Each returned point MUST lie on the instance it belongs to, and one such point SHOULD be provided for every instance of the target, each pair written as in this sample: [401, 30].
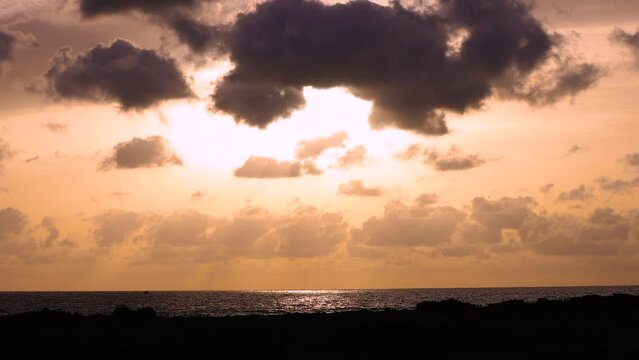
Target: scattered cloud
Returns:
[198, 195]
[357, 188]
[580, 193]
[412, 152]
[119, 72]
[426, 199]
[152, 151]
[546, 189]
[268, 168]
[632, 160]
[574, 149]
[629, 40]
[453, 160]
[356, 156]
[114, 226]
[311, 149]
[12, 223]
[618, 186]
[55, 127]
[31, 159]
[5, 152]
[309, 43]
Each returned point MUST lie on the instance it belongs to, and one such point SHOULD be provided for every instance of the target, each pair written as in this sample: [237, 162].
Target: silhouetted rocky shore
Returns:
[590, 327]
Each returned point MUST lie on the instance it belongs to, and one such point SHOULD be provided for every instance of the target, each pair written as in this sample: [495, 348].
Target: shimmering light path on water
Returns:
[226, 303]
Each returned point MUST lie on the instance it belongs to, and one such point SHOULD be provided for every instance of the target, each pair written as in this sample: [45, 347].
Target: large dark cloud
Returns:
[152, 151]
[90, 8]
[413, 65]
[629, 40]
[7, 46]
[119, 72]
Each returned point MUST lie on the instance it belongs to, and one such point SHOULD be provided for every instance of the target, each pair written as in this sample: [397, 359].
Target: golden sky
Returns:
[201, 144]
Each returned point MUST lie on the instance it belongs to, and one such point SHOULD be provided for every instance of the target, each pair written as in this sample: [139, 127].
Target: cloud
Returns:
[426, 199]
[580, 193]
[412, 152]
[252, 232]
[53, 233]
[353, 157]
[629, 40]
[453, 160]
[574, 149]
[618, 186]
[119, 72]
[114, 226]
[178, 15]
[403, 225]
[198, 195]
[413, 65]
[311, 149]
[546, 189]
[152, 151]
[603, 233]
[32, 159]
[357, 188]
[54, 127]
[632, 160]
[5, 152]
[7, 46]
[12, 222]
[268, 168]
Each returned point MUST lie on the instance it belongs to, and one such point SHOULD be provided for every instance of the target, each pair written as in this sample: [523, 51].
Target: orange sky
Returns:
[179, 195]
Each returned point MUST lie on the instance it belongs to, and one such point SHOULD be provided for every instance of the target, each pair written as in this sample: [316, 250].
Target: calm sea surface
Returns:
[225, 303]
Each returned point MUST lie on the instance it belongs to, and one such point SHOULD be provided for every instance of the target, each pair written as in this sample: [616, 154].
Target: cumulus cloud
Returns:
[268, 168]
[357, 188]
[152, 151]
[12, 222]
[253, 232]
[618, 185]
[55, 127]
[356, 156]
[453, 160]
[114, 226]
[311, 149]
[580, 193]
[7, 46]
[426, 199]
[53, 233]
[628, 40]
[119, 72]
[403, 225]
[414, 65]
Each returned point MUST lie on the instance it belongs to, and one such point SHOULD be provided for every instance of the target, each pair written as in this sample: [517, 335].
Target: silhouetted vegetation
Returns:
[589, 327]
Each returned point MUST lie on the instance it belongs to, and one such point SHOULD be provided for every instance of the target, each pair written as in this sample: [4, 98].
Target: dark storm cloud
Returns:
[453, 160]
[7, 46]
[629, 40]
[200, 37]
[90, 8]
[152, 151]
[311, 149]
[268, 168]
[580, 193]
[135, 78]
[357, 188]
[618, 185]
[405, 61]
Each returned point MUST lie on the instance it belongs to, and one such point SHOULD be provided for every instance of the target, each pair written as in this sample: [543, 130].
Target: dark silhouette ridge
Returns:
[589, 327]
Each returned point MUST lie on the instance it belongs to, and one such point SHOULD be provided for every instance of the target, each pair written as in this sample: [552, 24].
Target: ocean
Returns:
[233, 303]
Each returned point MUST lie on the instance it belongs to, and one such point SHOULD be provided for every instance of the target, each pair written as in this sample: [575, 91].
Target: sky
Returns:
[299, 144]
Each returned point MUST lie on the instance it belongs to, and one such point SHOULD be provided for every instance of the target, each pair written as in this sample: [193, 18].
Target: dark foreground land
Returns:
[590, 327]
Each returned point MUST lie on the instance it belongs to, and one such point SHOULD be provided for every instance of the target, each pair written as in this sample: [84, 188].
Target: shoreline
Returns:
[587, 327]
